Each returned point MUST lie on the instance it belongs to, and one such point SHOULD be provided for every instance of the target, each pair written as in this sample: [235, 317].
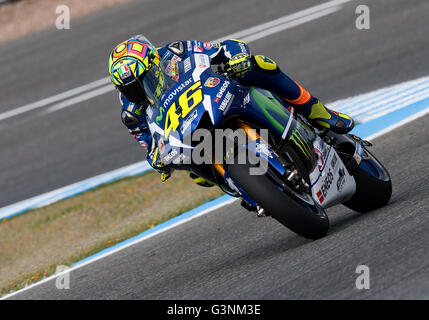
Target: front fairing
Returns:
[199, 93]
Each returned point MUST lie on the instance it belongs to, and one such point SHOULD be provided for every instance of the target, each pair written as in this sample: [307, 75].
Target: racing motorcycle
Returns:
[306, 169]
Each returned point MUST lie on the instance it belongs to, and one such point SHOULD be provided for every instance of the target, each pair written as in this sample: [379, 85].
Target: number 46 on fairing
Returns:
[187, 101]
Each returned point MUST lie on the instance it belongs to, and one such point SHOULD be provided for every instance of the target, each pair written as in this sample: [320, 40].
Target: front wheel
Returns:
[297, 212]
[373, 185]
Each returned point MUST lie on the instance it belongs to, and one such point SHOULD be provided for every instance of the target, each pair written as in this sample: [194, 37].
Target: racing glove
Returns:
[159, 166]
[238, 65]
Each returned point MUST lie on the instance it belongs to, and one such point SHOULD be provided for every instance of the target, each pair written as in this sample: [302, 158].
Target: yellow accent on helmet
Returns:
[137, 47]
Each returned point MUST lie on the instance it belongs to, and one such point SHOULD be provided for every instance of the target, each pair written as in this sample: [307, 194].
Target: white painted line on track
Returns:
[372, 105]
[81, 98]
[399, 124]
[128, 244]
[272, 26]
[291, 24]
[247, 35]
[73, 189]
[53, 99]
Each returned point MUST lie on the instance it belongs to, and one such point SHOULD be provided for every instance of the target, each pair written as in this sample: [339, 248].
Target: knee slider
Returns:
[265, 64]
[200, 181]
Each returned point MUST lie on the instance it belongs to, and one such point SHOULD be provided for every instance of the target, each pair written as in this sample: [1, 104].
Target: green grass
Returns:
[34, 243]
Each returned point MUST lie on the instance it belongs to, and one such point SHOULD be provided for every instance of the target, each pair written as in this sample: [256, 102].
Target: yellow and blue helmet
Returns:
[136, 70]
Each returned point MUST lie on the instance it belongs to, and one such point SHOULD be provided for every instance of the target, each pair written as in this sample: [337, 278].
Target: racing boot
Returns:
[322, 117]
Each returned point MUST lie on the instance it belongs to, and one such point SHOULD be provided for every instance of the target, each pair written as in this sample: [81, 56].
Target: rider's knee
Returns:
[265, 64]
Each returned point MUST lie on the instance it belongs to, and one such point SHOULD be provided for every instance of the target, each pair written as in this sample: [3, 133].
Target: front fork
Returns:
[257, 148]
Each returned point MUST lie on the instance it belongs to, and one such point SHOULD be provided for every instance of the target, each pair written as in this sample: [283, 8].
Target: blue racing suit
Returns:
[262, 72]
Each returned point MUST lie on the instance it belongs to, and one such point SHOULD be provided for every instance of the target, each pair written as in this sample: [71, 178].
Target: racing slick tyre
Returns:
[298, 213]
[373, 186]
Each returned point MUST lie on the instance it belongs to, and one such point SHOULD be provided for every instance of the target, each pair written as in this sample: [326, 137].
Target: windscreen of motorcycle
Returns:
[157, 83]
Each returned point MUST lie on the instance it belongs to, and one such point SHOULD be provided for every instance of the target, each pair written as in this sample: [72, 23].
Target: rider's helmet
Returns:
[137, 72]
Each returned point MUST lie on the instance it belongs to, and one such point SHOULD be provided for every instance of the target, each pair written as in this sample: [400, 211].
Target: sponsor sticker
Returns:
[124, 72]
[170, 156]
[187, 65]
[320, 159]
[173, 94]
[327, 183]
[180, 159]
[212, 82]
[208, 45]
[226, 101]
[321, 149]
[246, 100]
[320, 196]
[358, 154]
[202, 58]
[171, 68]
[222, 90]
[334, 161]
[197, 48]
[149, 112]
[143, 144]
[188, 121]
[232, 185]
[174, 73]
[204, 61]
[242, 47]
[161, 145]
[262, 148]
[341, 179]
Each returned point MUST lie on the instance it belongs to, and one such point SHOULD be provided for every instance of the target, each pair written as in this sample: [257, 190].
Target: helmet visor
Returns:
[133, 91]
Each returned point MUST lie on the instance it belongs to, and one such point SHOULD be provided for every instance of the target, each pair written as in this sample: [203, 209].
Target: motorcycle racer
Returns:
[143, 74]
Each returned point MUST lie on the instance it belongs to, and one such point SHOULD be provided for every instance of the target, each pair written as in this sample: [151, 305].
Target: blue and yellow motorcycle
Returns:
[270, 157]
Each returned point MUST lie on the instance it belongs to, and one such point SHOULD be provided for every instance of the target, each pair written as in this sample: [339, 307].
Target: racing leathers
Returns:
[259, 71]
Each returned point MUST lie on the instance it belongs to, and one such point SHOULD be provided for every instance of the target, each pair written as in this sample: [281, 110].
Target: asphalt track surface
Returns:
[228, 253]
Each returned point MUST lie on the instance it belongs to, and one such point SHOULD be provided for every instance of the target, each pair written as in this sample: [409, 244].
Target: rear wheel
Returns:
[295, 210]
